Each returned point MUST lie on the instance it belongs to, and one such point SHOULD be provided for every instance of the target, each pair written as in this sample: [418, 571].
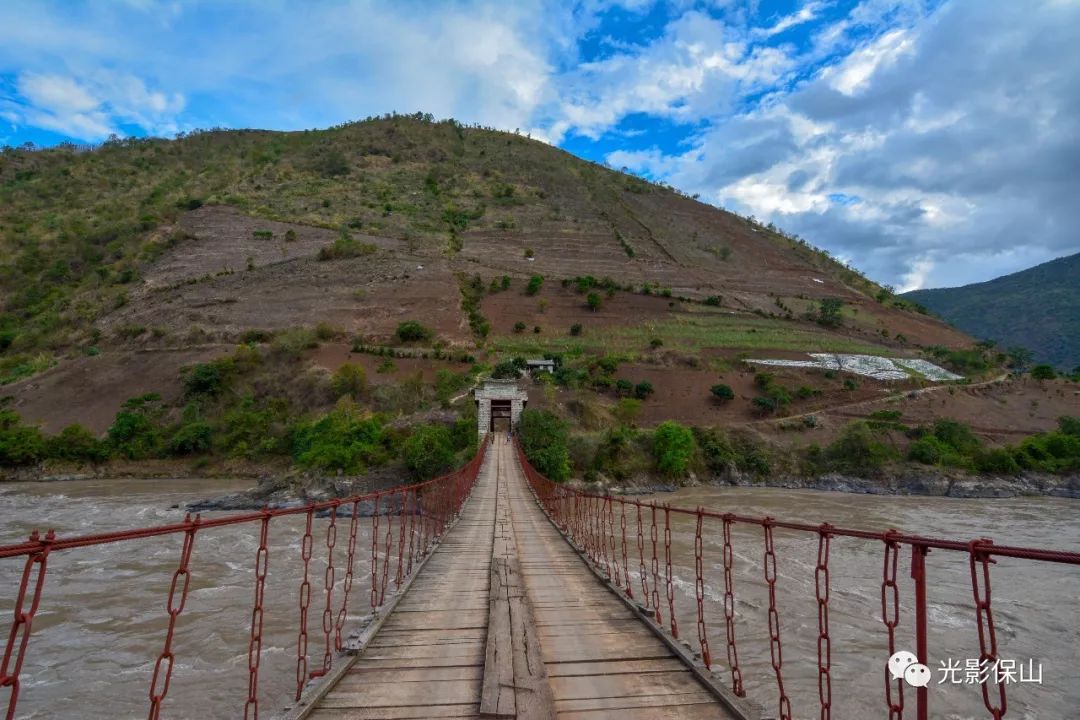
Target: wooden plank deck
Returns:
[506, 618]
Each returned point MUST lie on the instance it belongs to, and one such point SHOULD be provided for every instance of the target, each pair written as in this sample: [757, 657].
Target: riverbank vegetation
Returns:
[864, 448]
[264, 404]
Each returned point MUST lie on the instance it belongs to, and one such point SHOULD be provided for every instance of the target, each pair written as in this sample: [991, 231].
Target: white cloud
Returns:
[856, 70]
[803, 15]
[90, 108]
[957, 135]
[699, 67]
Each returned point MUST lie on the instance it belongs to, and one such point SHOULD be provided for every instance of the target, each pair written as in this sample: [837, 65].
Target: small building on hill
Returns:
[536, 366]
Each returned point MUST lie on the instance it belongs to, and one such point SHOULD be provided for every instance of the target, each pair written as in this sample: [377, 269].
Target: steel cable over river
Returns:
[263, 609]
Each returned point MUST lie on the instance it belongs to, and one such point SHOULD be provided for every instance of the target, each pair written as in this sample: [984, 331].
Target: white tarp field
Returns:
[874, 366]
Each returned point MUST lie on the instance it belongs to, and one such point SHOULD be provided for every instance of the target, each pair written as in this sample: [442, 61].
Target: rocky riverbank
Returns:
[904, 481]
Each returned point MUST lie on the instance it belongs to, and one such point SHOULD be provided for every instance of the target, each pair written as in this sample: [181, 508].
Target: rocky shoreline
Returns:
[928, 482]
[287, 488]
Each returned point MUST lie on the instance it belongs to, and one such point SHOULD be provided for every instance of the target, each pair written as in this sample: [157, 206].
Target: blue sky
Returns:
[928, 142]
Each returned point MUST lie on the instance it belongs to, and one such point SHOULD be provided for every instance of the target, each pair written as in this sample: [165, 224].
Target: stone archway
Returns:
[498, 402]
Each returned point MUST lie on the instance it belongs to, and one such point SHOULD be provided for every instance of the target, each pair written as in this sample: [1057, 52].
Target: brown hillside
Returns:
[423, 207]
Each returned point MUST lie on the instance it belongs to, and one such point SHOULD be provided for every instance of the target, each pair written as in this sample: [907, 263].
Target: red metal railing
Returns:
[421, 511]
[588, 520]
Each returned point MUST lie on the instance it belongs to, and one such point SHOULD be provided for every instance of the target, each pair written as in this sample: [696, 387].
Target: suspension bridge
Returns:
[496, 593]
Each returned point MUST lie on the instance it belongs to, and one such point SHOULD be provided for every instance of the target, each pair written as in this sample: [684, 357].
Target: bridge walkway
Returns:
[577, 651]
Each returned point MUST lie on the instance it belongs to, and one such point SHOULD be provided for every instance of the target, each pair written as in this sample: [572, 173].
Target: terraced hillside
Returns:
[141, 258]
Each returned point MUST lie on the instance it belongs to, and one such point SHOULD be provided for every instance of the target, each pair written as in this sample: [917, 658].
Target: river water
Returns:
[102, 620]
[1036, 605]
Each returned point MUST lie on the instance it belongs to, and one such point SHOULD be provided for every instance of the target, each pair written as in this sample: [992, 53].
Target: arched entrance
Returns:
[498, 406]
[501, 415]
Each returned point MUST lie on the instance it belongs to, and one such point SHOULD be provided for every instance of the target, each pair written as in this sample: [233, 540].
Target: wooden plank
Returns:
[392, 694]
[535, 700]
[497, 699]
[639, 701]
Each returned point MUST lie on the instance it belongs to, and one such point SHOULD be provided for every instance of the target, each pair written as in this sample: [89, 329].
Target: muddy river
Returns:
[102, 620]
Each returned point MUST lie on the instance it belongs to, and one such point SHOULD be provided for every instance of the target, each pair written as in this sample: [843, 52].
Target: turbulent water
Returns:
[103, 617]
[1035, 604]
[102, 620]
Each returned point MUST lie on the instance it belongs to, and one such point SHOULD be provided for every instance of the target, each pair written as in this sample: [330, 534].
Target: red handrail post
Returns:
[918, 575]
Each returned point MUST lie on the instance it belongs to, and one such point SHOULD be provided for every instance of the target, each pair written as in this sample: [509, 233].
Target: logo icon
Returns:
[917, 675]
[904, 665]
[899, 663]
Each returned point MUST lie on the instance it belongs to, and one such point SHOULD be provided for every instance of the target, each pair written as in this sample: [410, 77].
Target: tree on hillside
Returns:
[593, 301]
[1043, 372]
[722, 392]
[543, 438]
[410, 331]
[673, 447]
[829, 312]
[429, 452]
[1019, 358]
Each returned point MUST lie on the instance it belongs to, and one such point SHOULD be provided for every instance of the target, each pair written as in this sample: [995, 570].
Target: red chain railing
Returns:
[581, 516]
[433, 504]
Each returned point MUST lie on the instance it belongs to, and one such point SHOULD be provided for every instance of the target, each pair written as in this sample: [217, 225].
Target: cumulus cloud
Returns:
[699, 67]
[90, 108]
[930, 142]
[937, 154]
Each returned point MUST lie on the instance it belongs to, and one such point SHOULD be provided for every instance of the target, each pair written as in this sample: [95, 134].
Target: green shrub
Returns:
[346, 247]
[294, 341]
[713, 300]
[623, 386]
[721, 391]
[506, 370]
[996, 460]
[412, 331]
[134, 435]
[447, 383]
[207, 379]
[191, 439]
[673, 447]
[253, 337]
[254, 429]
[519, 327]
[830, 312]
[764, 405]
[575, 329]
[626, 410]
[928, 451]
[341, 440]
[19, 444]
[535, 283]
[428, 452]
[859, 450]
[76, 443]
[350, 379]
[956, 435]
[593, 301]
[1043, 372]
[543, 438]
[643, 390]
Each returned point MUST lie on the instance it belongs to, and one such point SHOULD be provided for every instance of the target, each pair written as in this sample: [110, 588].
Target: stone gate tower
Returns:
[497, 400]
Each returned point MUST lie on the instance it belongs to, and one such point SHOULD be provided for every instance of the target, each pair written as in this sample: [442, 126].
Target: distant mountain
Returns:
[1038, 308]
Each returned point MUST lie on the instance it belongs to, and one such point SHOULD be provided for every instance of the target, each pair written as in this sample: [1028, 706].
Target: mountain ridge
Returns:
[1037, 308]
